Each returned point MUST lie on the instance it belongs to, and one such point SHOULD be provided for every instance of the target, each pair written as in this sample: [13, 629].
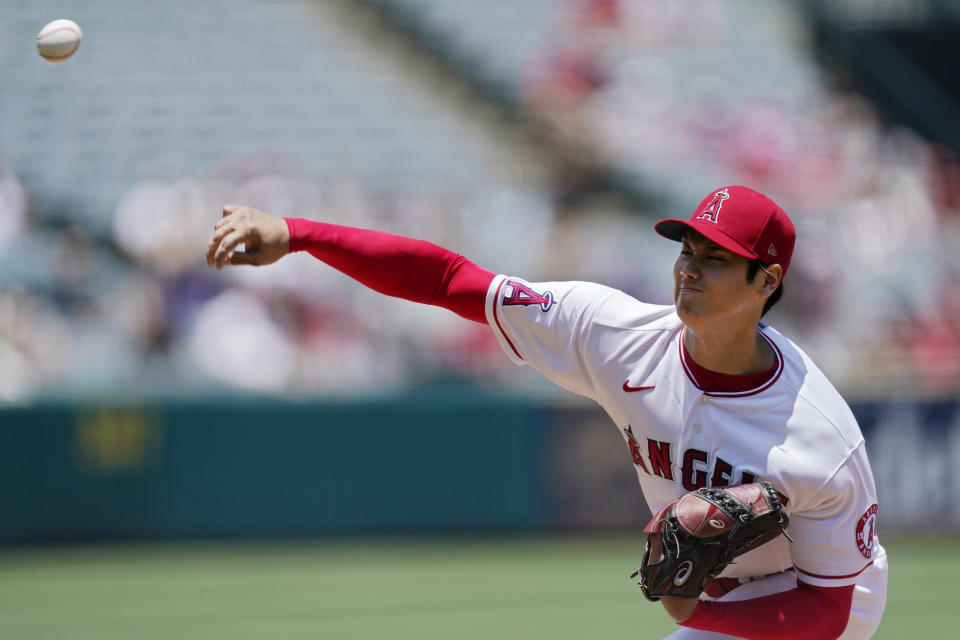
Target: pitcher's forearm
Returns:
[396, 265]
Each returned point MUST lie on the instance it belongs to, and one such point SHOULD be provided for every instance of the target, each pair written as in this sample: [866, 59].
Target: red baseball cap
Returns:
[740, 220]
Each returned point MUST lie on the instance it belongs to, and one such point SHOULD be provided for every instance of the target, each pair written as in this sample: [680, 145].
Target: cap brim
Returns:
[674, 229]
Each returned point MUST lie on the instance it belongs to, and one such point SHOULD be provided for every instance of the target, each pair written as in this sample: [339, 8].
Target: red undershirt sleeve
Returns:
[397, 266]
[804, 613]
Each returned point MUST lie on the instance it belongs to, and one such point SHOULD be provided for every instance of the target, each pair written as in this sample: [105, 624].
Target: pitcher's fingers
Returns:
[227, 245]
[232, 214]
[226, 219]
[215, 239]
[212, 249]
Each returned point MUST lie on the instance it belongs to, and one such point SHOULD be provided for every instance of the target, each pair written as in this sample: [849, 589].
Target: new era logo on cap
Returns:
[752, 225]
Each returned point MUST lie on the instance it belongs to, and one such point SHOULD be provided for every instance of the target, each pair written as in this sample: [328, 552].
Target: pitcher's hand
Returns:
[680, 609]
[266, 238]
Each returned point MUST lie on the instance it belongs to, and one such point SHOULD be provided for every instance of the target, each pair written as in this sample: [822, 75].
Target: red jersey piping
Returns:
[822, 577]
[496, 318]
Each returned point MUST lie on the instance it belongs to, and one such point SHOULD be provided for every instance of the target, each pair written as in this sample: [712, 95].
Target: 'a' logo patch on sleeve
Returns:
[516, 293]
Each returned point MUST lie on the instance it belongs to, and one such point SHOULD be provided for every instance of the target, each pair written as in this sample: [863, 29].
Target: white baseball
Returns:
[58, 40]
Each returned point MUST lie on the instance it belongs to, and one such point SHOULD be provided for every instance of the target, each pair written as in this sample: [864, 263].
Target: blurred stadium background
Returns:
[190, 453]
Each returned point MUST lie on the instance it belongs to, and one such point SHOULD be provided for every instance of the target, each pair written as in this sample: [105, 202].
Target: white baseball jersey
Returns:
[793, 429]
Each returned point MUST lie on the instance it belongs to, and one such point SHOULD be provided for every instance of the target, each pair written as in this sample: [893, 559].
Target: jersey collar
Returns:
[712, 383]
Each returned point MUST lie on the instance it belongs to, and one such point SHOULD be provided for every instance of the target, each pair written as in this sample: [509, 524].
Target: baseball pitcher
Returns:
[754, 465]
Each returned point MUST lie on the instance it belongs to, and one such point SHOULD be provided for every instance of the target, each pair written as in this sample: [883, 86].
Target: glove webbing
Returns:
[729, 504]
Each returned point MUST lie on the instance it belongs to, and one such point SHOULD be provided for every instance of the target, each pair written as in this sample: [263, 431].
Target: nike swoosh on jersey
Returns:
[629, 389]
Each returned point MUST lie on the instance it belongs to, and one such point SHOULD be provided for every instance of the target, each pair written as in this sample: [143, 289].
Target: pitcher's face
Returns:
[710, 283]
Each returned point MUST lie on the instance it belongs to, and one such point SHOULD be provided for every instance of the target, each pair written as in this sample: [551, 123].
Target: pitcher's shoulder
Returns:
[817, 400]
[624, 311]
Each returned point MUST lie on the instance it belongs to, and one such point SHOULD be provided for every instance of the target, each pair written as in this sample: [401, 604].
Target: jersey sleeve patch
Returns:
[867, 532]
[518, 294]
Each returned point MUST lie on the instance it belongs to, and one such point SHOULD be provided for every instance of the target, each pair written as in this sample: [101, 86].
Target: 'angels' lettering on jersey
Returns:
[696, 471]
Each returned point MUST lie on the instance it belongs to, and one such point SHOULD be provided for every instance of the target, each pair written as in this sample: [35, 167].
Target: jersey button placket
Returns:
[695, 419]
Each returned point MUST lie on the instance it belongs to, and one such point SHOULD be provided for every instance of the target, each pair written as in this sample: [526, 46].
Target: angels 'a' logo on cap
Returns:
[711, 212]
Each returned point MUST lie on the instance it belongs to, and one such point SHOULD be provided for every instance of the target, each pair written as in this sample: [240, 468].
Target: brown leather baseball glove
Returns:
[694, 538]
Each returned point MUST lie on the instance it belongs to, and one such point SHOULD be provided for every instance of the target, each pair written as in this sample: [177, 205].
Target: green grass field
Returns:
[526, 589]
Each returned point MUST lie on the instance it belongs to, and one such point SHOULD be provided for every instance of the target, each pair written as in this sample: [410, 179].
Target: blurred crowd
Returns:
[141, 314]
[874, 293]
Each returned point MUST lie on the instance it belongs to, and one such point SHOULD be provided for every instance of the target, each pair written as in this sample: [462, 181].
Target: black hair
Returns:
[753, 267]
